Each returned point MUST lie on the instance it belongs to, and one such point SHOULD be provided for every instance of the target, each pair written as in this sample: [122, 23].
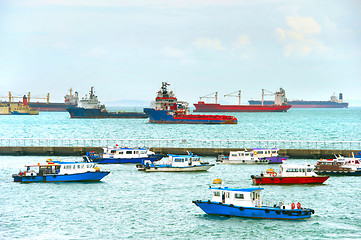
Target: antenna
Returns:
[232, 95]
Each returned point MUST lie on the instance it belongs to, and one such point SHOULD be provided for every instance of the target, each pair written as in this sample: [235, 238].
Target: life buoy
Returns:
[255, 153]
[274, 174]
[299, 205]
[293, 206]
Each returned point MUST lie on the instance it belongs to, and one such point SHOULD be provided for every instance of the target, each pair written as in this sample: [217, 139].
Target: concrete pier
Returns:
[79, 151]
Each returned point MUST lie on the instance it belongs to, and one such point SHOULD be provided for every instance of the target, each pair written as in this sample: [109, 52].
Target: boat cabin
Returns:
[339, 163]
[265, 152]
[292, 170]
[242, 155]
[116, 152]
[58, 167]
[183, 160]
[248, 197]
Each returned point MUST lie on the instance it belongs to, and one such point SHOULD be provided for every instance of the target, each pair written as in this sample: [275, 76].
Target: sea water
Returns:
[137, 205]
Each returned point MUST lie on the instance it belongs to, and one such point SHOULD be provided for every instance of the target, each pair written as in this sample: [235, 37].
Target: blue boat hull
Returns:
[152, 158]
[76, 112]
[275, 160]
[215, 208]
[78, 177]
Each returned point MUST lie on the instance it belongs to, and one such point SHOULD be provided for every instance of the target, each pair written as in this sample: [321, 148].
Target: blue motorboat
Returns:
[123, 155]
[59, 171]
[246, 202]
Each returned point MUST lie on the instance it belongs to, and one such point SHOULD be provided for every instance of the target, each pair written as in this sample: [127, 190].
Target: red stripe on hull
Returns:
[290, 180]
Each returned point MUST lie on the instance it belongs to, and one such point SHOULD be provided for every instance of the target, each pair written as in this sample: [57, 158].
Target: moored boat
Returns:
[89, 107]
[246, 202]
[175, 163]
[123, 155]
[340, 166]
[290, 174]
[59, 171]
[241, 157]
[167, 109]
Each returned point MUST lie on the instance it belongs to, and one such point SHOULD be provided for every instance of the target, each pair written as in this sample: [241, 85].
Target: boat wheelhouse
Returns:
[270, 154]
[59, 171]
[123, 155]
[241, 157]
[247, 202]
[176, 163]
[290, 174]
[340, 166]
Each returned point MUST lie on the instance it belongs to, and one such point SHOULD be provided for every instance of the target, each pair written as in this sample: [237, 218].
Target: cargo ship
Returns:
[70, 100]
[20, 108]
[167, 109]
[335, 102]
[89, 107]
[279, 105]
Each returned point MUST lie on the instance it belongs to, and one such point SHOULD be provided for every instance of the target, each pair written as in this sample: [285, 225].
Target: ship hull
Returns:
[305, 104]
[164, 116]
[78, 177]
[48, 107]
[201, 168]
[76, 112]
[257, 180]
[151, 158]
[216, 208]
[211, 107]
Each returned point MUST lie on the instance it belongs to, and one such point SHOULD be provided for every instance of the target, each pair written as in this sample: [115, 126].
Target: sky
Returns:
[125, 49]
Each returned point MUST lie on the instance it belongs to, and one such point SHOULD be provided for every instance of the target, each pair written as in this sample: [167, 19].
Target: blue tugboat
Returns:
[123, 155]
[58, 171]
[246, 202]
[89, 107]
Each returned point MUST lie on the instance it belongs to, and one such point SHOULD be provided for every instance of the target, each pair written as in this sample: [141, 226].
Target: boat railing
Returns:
[179, 143]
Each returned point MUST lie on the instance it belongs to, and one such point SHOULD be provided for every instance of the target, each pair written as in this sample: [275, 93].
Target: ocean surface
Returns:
[137, 205]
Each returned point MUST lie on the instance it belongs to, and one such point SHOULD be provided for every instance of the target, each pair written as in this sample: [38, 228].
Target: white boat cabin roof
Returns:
[249, 197]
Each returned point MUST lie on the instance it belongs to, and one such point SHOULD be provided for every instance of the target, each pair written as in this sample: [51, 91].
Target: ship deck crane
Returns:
[232, 95]
[209, 96]
[11, 97]
[269, 93]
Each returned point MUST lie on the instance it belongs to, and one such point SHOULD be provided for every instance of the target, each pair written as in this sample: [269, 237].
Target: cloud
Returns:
[172, 52]
[243, 40]
[299, 38]
[98, 52]
[208, 43]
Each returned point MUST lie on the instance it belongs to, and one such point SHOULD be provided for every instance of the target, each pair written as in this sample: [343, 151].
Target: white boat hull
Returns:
[236, 162]
[178, 169]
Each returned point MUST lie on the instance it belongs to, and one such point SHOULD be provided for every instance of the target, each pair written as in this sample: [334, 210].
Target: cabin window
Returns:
[143, 152]
[136, 152]
[88, 165]
[82, 166]
[227, 195]
[121, 152]
[216, 193]
[78, 166]
[242, 154]
[238, 196]
[309, 169]
[67, 167]
[246, 154]
[273, 151]
[303, 170]
[129, 152]
[260, 152]
[234, 155]
[177, 160]
[112, 151]
[74, 166]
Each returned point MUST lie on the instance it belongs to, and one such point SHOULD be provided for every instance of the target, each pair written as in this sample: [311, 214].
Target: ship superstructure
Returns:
[167, 109]
[14, 108]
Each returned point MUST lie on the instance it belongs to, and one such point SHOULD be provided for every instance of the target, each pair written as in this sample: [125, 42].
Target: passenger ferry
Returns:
[340, 166]
[246, 202]
[290, 174]
[241, 157]
[176, 163]
[123, 155]
[59, 171]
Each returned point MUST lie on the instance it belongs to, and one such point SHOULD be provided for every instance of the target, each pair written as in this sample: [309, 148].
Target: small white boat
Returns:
[241, 157]
[175, 163]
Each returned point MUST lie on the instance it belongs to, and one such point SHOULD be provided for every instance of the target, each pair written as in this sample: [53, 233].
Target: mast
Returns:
[238, 95]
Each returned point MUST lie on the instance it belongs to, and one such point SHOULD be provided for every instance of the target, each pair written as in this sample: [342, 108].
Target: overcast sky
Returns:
[125, 49]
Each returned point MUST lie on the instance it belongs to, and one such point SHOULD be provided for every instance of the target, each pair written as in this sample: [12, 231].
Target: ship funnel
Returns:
[340, 97]
[25, 101]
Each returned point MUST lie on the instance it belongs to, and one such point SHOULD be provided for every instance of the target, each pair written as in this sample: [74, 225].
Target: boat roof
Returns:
[238, 189]
[125, 148]
[297, 166]
[183, 156]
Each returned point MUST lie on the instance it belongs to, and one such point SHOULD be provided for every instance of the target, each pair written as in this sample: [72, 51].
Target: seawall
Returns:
[78, 151]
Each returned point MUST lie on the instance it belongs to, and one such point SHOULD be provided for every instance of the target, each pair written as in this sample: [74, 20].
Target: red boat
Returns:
[290, 174]
[279, 106]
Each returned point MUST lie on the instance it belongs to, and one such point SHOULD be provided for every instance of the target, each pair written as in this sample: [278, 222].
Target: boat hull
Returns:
[78, 177]
[212, 107]
[244, 162]
[215, 208]
[258, 180]
[127, 160]
[165, 116]
[201, 168]
[305, 104]
[339, 173]
[76, 112]
[276, 160]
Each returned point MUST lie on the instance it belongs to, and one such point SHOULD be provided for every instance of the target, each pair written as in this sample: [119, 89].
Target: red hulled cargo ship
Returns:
[280, 105]
[167, 109]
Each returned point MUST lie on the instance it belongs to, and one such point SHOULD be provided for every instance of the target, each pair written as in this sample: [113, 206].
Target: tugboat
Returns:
[176, 163]
[247, 203]
[89, 107]
[290, 174]
[123, 155]
[168, 109]
[58, 171]
[340, 166]
[254, 156]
